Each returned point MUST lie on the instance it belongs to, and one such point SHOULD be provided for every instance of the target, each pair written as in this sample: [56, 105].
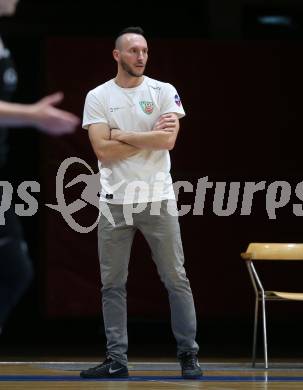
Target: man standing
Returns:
[133, 122]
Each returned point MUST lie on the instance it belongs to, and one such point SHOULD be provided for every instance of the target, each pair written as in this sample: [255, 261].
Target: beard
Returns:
[130, 71]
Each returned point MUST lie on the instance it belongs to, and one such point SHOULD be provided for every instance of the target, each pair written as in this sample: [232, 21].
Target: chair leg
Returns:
[264, 332]
[255, 332]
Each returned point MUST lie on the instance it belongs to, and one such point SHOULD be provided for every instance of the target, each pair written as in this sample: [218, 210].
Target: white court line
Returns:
[130, 364]
[141, 362]
[45, 362]
[283, 366]
[145, 362]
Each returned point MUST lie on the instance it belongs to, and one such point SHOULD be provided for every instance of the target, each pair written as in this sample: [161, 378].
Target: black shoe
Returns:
[108, 369]
[190, 366]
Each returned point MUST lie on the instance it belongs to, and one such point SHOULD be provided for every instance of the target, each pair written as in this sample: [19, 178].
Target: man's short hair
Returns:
[129, 30]
[134, 30]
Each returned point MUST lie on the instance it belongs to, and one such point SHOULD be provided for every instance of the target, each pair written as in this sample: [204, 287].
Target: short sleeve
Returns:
[94, 111]
[171, 101]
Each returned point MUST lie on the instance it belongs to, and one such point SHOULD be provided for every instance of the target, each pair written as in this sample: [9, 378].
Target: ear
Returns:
[116, 54]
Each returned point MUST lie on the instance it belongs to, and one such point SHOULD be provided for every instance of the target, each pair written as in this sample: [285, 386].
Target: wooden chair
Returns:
[261, 252]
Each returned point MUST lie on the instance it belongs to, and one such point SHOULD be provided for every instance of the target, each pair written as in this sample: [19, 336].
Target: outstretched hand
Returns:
[52, 120]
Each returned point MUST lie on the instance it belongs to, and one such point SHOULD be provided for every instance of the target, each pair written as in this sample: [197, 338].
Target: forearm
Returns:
[13, 114]
[153, 140]
[112, 151]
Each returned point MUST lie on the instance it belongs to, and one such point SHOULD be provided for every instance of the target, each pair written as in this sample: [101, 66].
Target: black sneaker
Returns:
[190, 366]
[108, 369]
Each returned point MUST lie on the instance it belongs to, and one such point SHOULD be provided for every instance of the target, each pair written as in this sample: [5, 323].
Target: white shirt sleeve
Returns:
[94, 111]
[171, 101]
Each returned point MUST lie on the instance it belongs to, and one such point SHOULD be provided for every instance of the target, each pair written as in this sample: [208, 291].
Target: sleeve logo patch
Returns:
[177, 100]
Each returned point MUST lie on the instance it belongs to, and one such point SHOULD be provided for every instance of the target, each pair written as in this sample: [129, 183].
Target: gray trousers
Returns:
[162, 233]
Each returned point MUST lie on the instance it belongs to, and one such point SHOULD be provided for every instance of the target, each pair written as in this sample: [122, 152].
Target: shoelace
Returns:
[106, 361]
[189, 361]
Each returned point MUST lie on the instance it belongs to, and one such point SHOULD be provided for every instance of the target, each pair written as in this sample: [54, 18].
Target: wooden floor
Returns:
[32, 376]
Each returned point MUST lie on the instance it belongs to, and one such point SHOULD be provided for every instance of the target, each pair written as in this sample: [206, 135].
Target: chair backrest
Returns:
[273, 251]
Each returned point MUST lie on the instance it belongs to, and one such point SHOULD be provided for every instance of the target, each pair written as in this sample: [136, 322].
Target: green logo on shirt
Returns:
[147, 107]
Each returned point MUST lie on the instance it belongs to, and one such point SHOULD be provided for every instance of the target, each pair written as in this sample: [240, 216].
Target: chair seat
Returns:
[257, 252]
[288, 295]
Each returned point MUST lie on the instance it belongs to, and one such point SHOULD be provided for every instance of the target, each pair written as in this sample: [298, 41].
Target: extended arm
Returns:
[162, 136]
[42, 115]
[108, 150]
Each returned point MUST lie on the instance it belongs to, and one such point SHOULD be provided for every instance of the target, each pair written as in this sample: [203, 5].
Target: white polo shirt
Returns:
[144, 177]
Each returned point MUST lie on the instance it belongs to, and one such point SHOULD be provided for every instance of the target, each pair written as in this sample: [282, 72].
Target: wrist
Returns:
[115, 134]
[32, 115]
